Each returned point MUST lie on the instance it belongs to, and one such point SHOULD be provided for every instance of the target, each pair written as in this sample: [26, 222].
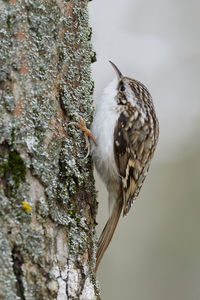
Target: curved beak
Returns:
[119, 74]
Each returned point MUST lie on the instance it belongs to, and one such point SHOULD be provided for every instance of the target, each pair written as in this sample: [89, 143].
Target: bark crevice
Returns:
[18, 261]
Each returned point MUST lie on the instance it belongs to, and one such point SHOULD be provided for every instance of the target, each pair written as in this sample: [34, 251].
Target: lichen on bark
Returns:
[45, 78]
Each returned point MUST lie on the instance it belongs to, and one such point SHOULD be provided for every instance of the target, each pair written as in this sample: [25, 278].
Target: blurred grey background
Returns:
[155, 252]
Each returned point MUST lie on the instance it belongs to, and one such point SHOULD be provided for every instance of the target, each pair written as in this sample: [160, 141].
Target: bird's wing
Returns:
[133, 149]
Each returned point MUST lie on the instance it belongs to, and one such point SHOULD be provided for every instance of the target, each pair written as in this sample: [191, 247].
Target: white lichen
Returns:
[61, 295]
[72, 280]
[31, 143]
[88, 291]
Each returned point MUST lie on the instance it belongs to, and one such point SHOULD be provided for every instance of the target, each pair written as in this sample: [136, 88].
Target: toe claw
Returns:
[87, 133]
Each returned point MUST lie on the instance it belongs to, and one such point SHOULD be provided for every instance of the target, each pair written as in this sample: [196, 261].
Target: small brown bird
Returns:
[126, 131]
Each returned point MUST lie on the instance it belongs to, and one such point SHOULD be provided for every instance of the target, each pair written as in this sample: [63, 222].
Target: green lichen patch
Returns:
[12, 169]
[17, 168]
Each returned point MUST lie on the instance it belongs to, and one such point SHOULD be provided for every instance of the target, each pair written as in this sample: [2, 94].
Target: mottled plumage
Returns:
[135, 139]
[126, 131]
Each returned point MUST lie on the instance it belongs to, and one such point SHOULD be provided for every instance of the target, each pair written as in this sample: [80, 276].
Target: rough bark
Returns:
[47, 194]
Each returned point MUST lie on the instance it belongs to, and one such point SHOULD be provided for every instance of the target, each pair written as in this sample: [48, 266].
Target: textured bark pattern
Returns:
[45, 57]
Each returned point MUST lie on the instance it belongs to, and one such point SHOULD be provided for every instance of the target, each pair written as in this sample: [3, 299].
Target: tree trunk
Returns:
[47, 194]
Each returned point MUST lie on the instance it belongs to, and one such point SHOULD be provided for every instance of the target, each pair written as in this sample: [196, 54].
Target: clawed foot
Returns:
[87, 133]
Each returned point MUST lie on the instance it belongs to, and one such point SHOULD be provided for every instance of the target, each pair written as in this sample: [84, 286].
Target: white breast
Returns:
[105, 118]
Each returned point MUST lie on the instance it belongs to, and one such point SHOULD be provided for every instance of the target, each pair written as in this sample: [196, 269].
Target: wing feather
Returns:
[133, 151]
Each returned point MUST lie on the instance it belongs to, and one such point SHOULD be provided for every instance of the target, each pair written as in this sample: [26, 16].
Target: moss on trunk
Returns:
[45, 78]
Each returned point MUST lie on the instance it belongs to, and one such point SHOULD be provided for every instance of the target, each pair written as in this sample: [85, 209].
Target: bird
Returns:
[124, 135]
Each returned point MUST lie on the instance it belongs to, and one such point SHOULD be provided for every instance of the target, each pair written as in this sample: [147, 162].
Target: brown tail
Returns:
[108, 231]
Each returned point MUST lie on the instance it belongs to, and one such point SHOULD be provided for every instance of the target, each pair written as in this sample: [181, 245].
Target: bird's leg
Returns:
[87, 133]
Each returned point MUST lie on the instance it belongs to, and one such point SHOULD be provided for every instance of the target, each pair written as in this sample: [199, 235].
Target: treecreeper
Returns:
[124, 136]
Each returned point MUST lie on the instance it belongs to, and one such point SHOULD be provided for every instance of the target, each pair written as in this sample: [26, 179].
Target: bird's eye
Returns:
[122, 89]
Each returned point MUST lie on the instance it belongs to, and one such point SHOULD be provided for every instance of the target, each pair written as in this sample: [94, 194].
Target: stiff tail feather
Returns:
[108, 231]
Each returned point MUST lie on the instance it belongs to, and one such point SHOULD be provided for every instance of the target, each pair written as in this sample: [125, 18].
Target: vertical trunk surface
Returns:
[47, 195]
